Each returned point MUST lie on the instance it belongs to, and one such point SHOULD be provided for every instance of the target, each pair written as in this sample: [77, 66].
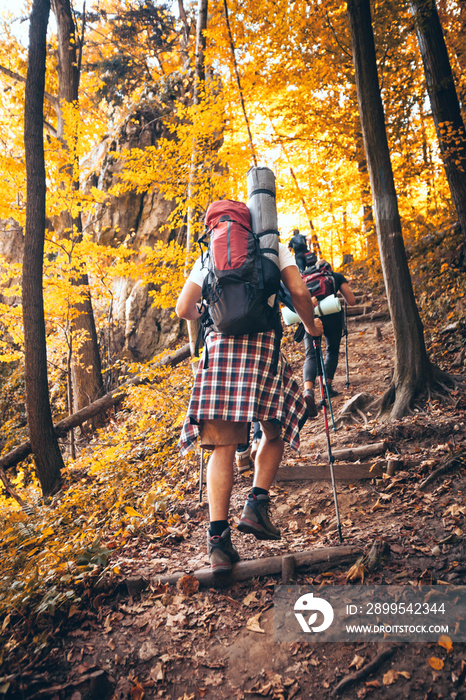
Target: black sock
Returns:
[256, 491]
[216, 527]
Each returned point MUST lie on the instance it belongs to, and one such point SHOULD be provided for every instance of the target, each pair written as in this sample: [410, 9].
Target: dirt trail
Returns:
[181, 643]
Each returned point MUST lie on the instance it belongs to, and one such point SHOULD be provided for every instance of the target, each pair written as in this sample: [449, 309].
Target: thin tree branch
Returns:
[19, 79]
[238, 81]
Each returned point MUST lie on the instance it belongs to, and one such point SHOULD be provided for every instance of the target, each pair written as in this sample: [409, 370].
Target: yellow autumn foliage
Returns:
[124, 484]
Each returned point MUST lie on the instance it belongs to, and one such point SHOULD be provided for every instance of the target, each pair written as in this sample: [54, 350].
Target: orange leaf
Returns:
[445, 642]
[137, 692]
[436, 663]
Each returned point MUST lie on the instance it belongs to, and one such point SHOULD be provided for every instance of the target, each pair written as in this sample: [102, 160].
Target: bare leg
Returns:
[255, 518]
[220, 481]
[268, 459]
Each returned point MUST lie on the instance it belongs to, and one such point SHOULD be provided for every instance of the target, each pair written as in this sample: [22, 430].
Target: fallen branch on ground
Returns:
[9, 489]
[450, 465]
[366, 670]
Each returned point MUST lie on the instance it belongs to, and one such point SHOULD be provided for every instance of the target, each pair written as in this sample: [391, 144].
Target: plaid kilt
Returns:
[239, 384]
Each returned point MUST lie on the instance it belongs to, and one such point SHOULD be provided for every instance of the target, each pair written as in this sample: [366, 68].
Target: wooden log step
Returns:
[374, 316]
[352, 454]
[358, 310]
[358, 294]
[342, 472]
[316, 560]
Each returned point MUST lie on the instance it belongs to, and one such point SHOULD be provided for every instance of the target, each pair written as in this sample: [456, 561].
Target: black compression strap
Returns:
[266, 233]
[269, 250]
[262, 191]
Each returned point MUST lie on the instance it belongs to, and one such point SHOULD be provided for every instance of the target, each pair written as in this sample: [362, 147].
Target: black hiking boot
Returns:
[332, 391]
[310, 403]
[222, 554]
[255, 518]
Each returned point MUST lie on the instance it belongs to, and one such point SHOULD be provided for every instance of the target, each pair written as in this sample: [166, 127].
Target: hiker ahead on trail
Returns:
[298, 245]
[242, 377]
[323, 282]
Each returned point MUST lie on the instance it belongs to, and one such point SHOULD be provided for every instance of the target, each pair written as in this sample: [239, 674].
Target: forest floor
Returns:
[144, 638]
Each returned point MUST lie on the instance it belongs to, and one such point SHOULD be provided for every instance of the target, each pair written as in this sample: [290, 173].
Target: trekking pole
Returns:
[331, 458]
[345, 331]
[324, 374]
[201, 474]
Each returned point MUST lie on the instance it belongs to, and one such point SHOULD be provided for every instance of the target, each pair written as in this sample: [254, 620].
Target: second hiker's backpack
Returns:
[299, 243]
[319, 280]
[241, 284]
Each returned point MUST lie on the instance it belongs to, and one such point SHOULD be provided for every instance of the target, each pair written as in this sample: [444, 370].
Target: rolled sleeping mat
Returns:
[263, 208]
[329, 305]
[289, 316]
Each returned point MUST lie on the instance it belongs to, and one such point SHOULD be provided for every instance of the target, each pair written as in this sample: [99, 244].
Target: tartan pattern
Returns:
[239, 385]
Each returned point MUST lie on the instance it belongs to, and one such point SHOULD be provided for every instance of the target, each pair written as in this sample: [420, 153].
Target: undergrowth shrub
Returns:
[124, 484]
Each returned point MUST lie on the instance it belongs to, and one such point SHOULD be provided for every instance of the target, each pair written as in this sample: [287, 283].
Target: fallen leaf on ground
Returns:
[250, 598]
[390, 677]
[357, 662]
[214, 679]
[445, 642]
[188, 584]
[132, 512]
[378, 506]
[137, 692]
[454, 509]
[253, 624]
[357, 571]
[436, 663]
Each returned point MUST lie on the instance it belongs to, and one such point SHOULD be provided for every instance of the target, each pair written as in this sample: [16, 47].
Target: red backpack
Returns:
[240, 281]
[319, 280]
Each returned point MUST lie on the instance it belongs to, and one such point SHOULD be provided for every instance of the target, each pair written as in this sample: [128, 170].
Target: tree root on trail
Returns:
[366, 670]
[398, 402]
[354, 407]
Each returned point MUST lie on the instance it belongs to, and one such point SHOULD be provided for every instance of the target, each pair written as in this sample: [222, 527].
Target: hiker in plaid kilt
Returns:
[243, 382]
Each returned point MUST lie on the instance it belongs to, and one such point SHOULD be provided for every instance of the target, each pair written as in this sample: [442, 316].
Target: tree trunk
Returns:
[413, 372]
[446, 111]
[370, 234]
[86, 370]
[47, 455]
[193, 213]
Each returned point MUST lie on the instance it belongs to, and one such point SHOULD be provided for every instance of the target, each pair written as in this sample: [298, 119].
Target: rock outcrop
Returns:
[140, 330]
